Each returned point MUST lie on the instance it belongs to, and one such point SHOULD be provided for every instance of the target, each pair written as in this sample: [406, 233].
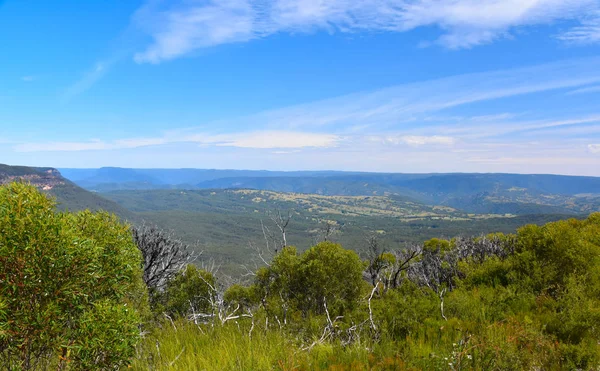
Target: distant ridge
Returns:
[67, 194]
[499, 193]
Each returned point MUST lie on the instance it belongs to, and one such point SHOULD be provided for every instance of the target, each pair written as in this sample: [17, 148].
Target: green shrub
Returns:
[190, 291]
[71, 289]
[324, 274]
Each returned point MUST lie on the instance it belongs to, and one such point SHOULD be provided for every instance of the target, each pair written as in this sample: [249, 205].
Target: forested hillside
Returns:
[224, 224]
[473, 193]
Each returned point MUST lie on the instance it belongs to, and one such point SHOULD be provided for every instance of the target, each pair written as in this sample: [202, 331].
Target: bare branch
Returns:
[282, 222]
[164, 255]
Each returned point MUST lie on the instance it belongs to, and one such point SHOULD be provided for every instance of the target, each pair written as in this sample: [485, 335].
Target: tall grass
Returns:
[186, 346]
[446, 345]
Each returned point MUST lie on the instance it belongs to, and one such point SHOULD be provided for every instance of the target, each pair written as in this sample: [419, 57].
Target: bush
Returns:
[324, 274]
[71, 289]
[190, 291]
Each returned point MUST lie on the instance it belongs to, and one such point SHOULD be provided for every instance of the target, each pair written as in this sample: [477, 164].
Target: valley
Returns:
[226, 224]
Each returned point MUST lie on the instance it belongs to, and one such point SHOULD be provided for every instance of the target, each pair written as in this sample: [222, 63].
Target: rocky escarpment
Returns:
[67, 195]
[43, 178]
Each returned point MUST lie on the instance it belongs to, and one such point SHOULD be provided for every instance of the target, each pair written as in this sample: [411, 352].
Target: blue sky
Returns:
[371, 85]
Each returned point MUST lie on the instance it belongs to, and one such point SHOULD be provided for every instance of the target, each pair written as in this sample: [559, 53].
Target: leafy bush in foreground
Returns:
[71, 289]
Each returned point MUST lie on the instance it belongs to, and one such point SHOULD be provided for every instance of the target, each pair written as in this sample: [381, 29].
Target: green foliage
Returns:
[71, 290]
[187, 347]
[191, 290]
[510, 308]
[244, 297]
[225, 220]
[326, 274]
[330, 275]
[72, 296]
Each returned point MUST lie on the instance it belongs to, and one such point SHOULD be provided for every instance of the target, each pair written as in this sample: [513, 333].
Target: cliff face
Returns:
[43, 178]
[67, 195]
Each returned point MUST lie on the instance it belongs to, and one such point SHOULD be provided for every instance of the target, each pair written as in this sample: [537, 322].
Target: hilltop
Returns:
[68, 195]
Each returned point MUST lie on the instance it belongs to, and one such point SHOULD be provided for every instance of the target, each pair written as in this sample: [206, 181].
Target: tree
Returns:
[324, 275]
[326, 230]
[189, 291]
[164, 255]
[282, 222]
[332, 275]
[71, 288]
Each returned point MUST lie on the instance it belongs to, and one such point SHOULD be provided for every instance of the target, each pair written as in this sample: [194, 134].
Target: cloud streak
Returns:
[586, 33]
[254, 140]
[411, 105]
[89, 78]
[179, 28]
[419, 122]
[585, 90]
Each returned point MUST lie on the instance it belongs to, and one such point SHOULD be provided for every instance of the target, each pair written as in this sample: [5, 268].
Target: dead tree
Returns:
[282, 222]
[326, 230]
[405, 258]
[436, 269]
[219, 309]
[479, 249]
[164, 254]
[374, 251]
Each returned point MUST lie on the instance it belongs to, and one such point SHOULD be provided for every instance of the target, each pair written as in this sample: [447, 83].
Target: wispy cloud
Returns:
[423, 123]
[178, 28]
[587, 33]
[411, 105]
[255, 140]
[585, 90]
[420, 140]
[279, 139]
[29, 78]
[90, 145]
[89, 78]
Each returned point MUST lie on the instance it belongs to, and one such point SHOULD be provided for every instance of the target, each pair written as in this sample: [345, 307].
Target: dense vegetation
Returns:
[71, 289]
[502, 302]
[72, 297]
[225, 222]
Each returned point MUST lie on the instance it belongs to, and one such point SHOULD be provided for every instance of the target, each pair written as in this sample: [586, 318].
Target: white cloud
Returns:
[280, 139]
[92, 145]
[89, 78]
[418, 122]
[416, 140]
[185, 26]
[179, 31]
[411, 114]
[411, 105]
[254, 140]
[62, 146]
[586, 90]
[412, 140]
[28, 78]
[587, 33]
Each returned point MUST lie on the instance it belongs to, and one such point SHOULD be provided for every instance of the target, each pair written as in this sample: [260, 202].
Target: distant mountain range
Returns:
[517, 194]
